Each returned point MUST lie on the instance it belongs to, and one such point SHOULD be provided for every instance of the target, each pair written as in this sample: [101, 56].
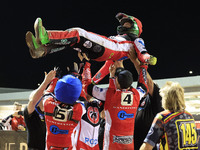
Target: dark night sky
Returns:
[170, 31]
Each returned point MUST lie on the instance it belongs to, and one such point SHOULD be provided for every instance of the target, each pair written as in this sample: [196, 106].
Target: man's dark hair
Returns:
[124, 77]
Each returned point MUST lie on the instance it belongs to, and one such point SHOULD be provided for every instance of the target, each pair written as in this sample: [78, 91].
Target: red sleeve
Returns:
[102, 72]
[112, 83]
[52, 85]
[86, 79]
[86, 75]
[83, 94]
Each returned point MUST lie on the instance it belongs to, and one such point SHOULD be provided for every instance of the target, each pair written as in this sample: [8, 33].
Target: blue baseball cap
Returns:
[68, 89]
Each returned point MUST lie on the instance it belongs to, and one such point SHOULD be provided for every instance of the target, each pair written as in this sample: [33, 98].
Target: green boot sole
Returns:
[40, 32]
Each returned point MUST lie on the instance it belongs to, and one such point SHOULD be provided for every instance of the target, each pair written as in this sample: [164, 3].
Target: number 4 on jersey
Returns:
[126, 98]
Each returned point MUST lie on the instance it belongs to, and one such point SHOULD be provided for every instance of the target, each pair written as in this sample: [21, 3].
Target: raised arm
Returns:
[136, 62]
[142, 87]
[38, 93]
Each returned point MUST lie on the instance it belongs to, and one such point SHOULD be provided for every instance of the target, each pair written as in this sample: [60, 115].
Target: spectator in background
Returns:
[174, 127]
[36, 126]
[15, 121]
[149, 106]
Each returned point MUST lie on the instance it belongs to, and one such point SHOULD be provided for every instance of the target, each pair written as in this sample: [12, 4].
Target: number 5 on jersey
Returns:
[60, 114]
[126, 98]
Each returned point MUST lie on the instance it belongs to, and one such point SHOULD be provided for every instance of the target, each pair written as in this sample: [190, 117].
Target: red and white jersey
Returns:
[116, 47]
[120, 110]
[120, 115]
[90, 121]
[89, 127]
[61, 133]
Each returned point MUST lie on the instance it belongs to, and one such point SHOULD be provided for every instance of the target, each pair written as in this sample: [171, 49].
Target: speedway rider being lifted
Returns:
[97, 47]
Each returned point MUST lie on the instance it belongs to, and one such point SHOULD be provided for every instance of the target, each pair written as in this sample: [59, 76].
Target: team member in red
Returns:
[63, 113]
[89, 126]
[90, 122]
[121, 103]
[98, 48]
